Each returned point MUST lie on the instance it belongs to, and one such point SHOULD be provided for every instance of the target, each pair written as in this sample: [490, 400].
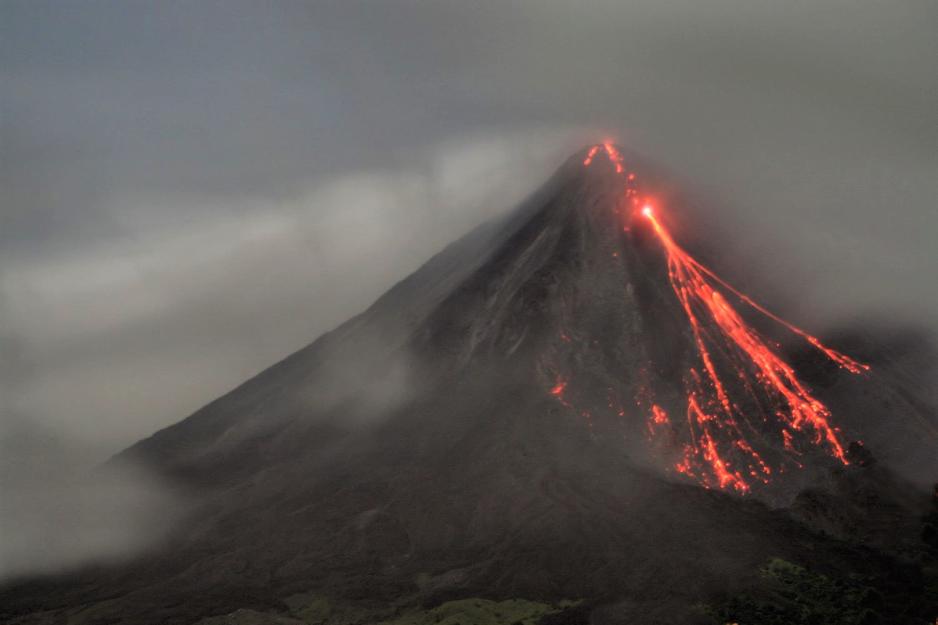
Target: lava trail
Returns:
[742, 401]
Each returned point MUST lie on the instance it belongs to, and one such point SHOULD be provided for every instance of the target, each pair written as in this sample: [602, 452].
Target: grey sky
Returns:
[192, 190]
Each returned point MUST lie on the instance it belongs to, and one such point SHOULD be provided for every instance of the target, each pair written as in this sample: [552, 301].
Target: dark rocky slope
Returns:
[416, 454]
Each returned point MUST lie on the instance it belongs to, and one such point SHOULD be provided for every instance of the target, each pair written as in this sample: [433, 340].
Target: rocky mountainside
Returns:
[564, 405]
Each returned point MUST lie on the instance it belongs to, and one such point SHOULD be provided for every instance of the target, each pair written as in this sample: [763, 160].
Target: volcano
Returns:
[565, 408]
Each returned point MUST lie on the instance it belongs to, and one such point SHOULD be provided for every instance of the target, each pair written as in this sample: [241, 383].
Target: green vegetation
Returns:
[318, 610]
[479, 612]
[249, 617]
[792, 595]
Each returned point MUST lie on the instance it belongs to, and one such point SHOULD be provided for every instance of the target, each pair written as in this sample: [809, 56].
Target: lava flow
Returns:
[615, 157]
[738, 390]
[764, 375]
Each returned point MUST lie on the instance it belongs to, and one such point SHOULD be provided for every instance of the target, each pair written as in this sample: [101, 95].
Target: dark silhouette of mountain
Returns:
[516, 420]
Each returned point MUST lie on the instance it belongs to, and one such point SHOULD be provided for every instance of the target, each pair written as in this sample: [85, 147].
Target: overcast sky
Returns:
[192, 190]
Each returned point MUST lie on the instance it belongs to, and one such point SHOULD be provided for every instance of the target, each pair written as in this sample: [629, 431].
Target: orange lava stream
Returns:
[590, 155]
[718, 451]
[614, 156]
[797, 410]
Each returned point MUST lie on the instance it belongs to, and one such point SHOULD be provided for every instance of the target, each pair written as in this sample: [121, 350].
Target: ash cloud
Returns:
[192, 191]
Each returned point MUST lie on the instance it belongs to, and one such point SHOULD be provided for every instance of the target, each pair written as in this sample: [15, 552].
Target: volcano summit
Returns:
[564, 412]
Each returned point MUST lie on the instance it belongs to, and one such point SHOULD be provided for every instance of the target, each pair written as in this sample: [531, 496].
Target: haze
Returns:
[193, 190]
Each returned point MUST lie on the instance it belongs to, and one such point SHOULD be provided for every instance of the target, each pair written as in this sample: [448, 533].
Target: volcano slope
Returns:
[562, 405]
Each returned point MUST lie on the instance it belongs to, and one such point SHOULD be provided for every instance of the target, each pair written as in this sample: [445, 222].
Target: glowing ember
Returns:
[657, 421]
[614, 156]
[590, 155]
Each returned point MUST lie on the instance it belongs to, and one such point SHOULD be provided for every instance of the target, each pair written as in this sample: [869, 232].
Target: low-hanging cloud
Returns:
[195, 310]
[132, 336]
[56, 515]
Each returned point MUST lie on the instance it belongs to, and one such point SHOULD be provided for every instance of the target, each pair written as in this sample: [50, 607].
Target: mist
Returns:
[57, 516]
[193, 191]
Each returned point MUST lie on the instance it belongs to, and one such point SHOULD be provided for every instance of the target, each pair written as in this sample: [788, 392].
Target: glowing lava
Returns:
[590, 155]
[558, 388]
[615, 157]
[739, 394]
[719, 448]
